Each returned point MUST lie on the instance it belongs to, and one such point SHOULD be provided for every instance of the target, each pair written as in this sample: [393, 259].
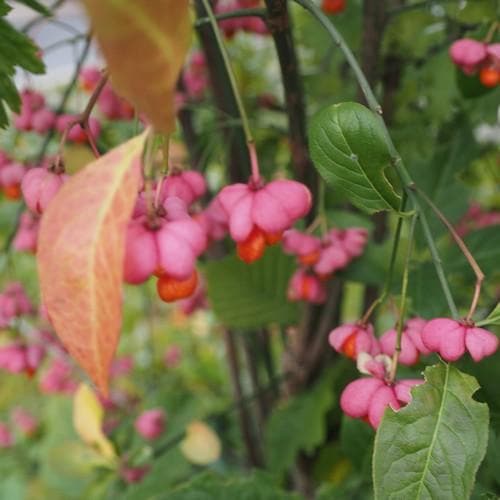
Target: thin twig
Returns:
[83, 120]
[256, 12]
[402, 303]
[390, 273]
[463, 247]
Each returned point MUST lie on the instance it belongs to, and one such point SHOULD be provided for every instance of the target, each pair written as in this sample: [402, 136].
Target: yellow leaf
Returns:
[87, 420]
[201, 446]
[80, 254]
[144, 43]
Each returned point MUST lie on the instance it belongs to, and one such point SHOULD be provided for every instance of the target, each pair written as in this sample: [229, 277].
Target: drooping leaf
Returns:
[201, 445]
[208, 486]
[349, 151]
[298, 425]
[154, 38]
[247, 296]
[80, 257]
[492, 319]
[87, 419]
[433, 447]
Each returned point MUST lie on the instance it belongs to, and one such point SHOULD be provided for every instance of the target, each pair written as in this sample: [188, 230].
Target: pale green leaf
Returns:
[492, 319]
[349, 150]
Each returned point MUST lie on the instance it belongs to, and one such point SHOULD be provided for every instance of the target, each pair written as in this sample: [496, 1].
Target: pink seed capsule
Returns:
[151, 423]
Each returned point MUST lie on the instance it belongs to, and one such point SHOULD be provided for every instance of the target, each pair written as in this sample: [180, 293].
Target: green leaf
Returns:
[349, 150]
[208, 486]
[16, 49]
[433, 447]
[298, 425]
[250, 296]
[492, 319]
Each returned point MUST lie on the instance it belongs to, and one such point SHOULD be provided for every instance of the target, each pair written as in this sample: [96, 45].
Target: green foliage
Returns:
[433, 447]
[439, 177]
[484, 244]
[492, 319]
[251, 296]
[299, 425]
[349, 150]
[208, 486]
[16, 49]
[427, 298]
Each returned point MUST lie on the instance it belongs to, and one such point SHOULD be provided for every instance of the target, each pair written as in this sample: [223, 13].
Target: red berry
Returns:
[310, 259]
[253, 247]
[333, 6]
[273, 238]
[349, 346]
[170, 289]
[489, 76]
[12, 192]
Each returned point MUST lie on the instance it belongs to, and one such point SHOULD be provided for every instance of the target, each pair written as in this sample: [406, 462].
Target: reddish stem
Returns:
[463, 247]
[83, 120]
[254, 163]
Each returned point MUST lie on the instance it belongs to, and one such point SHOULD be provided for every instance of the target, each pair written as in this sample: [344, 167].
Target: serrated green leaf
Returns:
[433, 447]
[16, 49]
[349, 150]
[250, 296]
[208, 486]
[298, 425]
[492, 319]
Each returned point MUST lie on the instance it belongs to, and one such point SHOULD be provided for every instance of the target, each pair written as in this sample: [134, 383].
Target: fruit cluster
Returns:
[367, 398]
[320, 258]
[475, 57]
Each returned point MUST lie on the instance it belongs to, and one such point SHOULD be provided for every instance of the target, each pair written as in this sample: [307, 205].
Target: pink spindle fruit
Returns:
[351, 339]
[259, 213]
[451, 338]
[39, 186]
[151, 423]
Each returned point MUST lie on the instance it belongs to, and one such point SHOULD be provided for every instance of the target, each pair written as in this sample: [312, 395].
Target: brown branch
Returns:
[83, 120]
[278, 21]
[254, 455]
[239, 164]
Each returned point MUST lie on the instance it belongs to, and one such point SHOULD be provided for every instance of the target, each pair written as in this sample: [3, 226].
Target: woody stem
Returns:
[237, 95]
[83, 120]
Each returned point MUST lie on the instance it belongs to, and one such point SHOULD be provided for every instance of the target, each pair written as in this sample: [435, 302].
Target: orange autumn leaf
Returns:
[144, 43]
[80, 257]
